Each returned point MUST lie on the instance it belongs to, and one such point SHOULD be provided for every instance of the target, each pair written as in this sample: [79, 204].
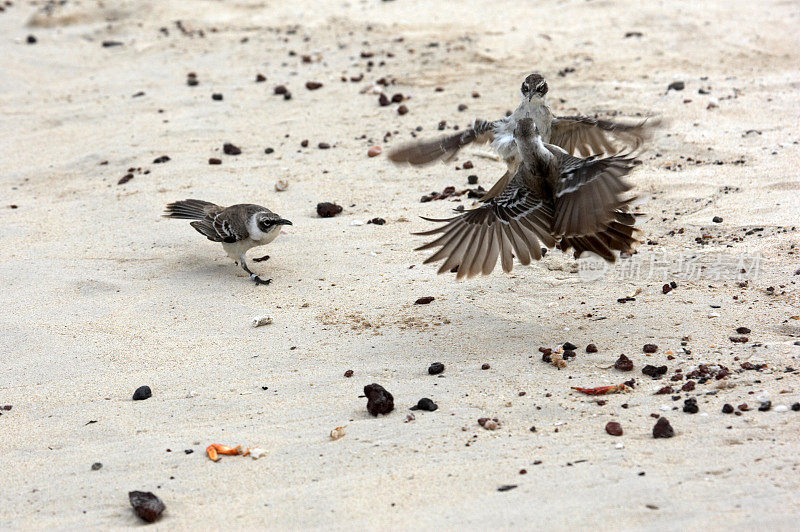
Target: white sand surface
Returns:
[100, 295]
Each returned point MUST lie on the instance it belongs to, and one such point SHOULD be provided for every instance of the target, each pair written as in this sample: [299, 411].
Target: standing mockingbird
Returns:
[577, 135]
[239, 227]
[554, 199]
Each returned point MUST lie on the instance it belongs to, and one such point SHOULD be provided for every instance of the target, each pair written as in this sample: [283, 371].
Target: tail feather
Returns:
[190, 209]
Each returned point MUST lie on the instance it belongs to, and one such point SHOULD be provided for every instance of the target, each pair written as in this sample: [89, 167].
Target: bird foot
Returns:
[259, 280]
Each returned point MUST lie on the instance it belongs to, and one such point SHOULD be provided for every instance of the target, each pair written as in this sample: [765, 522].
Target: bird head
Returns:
[534, 86]
[268, 221]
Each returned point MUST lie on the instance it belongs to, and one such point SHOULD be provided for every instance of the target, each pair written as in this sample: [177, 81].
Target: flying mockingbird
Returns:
[553, 200]
[239, 227]
[577, 135]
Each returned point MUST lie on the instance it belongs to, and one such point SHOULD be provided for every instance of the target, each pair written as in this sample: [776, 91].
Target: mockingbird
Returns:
[239, 227]
[553, 200]
[577, 135]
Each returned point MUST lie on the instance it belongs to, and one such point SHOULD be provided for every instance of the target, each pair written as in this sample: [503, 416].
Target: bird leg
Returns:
[254, 277]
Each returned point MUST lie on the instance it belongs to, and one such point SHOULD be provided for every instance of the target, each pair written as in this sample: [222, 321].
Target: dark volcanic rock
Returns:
[142, 393]
[425, 404]
[146, 505]
[662, 429]
[328, 210]
[379, 401]
[436, 368]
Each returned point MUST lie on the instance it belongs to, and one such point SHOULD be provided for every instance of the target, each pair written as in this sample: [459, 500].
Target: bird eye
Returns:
[525, 87]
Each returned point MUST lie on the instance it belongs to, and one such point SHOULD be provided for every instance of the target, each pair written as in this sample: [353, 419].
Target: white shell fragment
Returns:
[256, 453]
[281, 185]
[258, 321]
[337, 433]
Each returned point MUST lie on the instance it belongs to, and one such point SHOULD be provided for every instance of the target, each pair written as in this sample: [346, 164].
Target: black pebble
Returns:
[796, 407]
[269, 150]
[216, 96]
[146, 505]
[569, 346]
[425, 404]
[379, 401]
[472, 179]
[142, 393]
[765, 406]
[676, 86]
[727, 409]
[435, 368]
[230, 149]
[97, 466]
[690, 406]
[31, 39]
[662, 429]
[653, 371]
[328, 210]
[162, 159]
[188, 451]
[717, 219]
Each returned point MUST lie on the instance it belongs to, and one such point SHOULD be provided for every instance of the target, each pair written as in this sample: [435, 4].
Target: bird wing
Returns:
[584, 135]
[229, 225]
[518, 221]
[589, 191]
[444, 149]
[619, 235]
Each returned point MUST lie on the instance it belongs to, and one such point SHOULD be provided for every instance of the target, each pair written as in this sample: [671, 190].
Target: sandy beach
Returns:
[101, 295]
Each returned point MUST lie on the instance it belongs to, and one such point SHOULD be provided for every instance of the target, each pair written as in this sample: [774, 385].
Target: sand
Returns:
[100, 295]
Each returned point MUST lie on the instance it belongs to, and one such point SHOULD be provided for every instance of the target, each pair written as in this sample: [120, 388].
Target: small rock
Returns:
[462, 107]
[506, 487]
[31, 39]
[717, 219]
[690, 406]
[425, 404]
[377, 221]
[214, 160]
[348, 373]
[472, 179]
[666, 289]
[614, 428]
[337, 433]
[260, 78]
[217, 97]
[142, 393]
[765, 406]
[485, 366]
[796, 407]
[379, 401]
[727, 409]
[323, 146]
[435, 368]
[383, 100]
[488, 424]
[591, 348]
[623, 363]
[313, 85]
[650, 348]
[402, 110]
[328, 210]
[569, 346]
[374, 151]
[162, 159]
[97, 466]
[653, 371]
[281, 89]
[743, 330]
[230, 149]
[269, 150]
[424, 300]
[281, 185]
[146, 505]
[676, 86]
[662, 429]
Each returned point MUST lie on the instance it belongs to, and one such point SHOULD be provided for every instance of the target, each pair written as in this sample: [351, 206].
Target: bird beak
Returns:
[284, 222]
